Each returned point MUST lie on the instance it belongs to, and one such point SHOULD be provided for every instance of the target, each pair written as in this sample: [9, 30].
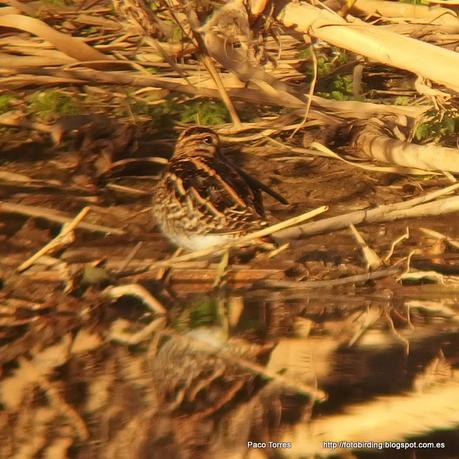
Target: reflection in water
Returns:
[222, 372]
[216, 398]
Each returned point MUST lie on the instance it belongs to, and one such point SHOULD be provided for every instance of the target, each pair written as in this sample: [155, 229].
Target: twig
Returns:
[332, 282]
[137, 291]
[52, 215]
[312, 87]
[130, 257]
[208, 63]
[136, 338]
[404, 236]
[454, 243]
[401, 338]
[64, 238]
[412, 208]
[371, 257]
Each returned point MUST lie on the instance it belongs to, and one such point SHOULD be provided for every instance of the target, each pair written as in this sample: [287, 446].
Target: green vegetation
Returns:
[49, 104]
[205, 112]
[403, 100]
[304, 53]
[177, 35]
[202, 312]
[5, 102]
[327, 61]
[326, 64]
[329, 85]
[89, 30]
[339, 88]
[439, 126]
[161, 114]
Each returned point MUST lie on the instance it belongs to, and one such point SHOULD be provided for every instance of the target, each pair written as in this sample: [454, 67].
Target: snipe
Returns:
[202, 199]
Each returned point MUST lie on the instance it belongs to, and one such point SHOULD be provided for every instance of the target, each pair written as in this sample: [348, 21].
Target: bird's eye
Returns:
[208, 139]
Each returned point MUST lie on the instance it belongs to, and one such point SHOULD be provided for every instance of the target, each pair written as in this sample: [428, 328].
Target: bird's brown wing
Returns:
[218, 190]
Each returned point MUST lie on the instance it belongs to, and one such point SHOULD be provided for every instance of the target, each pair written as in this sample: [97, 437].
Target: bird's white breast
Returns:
[200, 241]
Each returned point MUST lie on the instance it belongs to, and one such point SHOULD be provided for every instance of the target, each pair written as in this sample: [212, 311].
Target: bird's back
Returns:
[204, 194]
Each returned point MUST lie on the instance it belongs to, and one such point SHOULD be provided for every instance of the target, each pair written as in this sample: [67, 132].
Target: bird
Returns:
[202, 199]
[200, 372]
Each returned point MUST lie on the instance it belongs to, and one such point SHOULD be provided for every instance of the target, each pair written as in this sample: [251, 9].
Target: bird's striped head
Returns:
[197, 141]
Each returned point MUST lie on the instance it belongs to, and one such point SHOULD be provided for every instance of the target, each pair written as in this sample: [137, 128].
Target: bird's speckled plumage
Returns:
[202, 199]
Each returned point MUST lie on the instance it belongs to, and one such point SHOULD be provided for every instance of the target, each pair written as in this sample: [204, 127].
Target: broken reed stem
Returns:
[397, 241]
[63, 238]
[333, 282]
[312, 88]
[137, 291]
[442, 237]
[242, 240]
[371, 258]
[208, 63]
[52, 215]
[416, 207]
[279, 226]
[162, 52]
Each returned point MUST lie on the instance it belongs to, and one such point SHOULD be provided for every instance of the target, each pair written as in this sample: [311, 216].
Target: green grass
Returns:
[5, 103]
[339, 88]
[438, 127]
[177, 35]
[50, 104]
[162, 114]
[202, 312]
[327, 61]
[203, 112]
[206, 112]
[403, 100]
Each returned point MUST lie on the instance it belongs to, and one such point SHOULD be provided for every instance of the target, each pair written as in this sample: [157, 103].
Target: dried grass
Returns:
[61, 332]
